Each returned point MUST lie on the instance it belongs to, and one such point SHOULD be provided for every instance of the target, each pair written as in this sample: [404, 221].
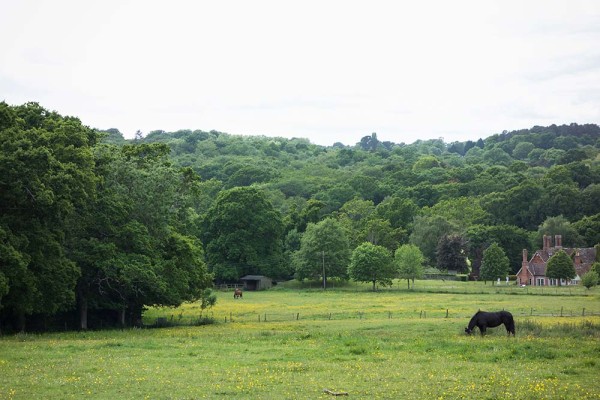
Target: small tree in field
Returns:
[596, 267]
[560, 266]
[590, 279]
[409, 262]
[495, 264]
[371, 263]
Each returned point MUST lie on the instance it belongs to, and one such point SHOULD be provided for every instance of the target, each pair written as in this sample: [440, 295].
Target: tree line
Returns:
[94, 228]
[91, 233]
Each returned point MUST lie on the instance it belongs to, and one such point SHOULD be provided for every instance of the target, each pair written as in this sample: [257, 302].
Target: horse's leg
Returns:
[482, 330]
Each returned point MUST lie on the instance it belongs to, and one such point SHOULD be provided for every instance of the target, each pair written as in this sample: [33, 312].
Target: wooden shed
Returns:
[257, 282]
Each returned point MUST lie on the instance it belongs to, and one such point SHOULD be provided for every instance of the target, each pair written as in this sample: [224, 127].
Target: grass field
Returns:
[391, 344]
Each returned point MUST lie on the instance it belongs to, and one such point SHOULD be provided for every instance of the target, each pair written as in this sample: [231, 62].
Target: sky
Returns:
[327, 70]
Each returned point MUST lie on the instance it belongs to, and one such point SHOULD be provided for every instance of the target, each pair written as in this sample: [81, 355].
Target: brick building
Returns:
[533, 271]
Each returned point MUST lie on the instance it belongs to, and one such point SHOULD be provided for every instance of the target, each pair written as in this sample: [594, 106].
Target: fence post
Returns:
[583, 312]
[446, 313]
[265, 317]
[258, 317]
[561, 311]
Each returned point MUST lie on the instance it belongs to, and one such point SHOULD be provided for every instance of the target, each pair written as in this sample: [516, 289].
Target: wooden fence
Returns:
[264, 317]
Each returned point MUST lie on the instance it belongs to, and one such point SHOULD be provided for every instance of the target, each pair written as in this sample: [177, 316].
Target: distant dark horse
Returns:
[484, 320]
[237, 293]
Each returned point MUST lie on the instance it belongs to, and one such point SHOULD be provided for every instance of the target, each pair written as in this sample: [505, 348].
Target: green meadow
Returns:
[294, 341]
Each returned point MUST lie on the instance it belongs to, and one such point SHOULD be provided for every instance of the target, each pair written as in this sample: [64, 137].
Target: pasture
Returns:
[390, 344]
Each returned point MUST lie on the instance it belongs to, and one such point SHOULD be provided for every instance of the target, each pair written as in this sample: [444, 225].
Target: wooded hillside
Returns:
[94, 227]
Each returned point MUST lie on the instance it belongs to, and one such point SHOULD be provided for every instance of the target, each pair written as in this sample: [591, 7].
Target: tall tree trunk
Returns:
[122, 317]
[83, 312]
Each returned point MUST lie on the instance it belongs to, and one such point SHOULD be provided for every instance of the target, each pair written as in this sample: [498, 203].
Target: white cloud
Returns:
[330, 71]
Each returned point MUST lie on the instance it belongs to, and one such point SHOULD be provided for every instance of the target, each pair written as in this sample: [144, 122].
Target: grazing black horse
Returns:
[484, 320]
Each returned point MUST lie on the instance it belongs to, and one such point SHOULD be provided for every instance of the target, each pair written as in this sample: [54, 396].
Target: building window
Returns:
[540, 282]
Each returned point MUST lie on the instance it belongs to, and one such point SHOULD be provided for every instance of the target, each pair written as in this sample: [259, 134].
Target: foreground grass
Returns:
[371, 357]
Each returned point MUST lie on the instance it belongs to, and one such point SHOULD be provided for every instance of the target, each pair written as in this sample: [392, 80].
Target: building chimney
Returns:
[577, 259]
[558, 241]
[545, 243]
[524, 255]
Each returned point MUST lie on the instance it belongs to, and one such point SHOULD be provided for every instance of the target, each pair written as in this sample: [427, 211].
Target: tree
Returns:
[371, 263]
[495, 264]
[560, 266]
[409, 262]
[379, 231]
[559, 225]
[522, 149]
[588, 229]
[596, 265]
[46, 173]
[463, 211]
[324, 252]
[354, 216]
[369, 143]
[427, 232]
[136, 242]
[243, 234]
[399, 211]
[590, 279]
[510, 238]
[451, 254]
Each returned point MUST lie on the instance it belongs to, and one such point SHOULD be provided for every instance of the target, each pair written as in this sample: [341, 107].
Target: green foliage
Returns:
[588, 228]
[560, 266]
[372, 263]
[243, 234]
[324, 251]
[398, 211]
[559, 225]
[46, 173]
[451, 254]
[427, 232]
[590, 279]
[510, 238]
[462, 211]
[136, 243]
[409, 262]
[495, 264]
[113, 224]
[208, 299]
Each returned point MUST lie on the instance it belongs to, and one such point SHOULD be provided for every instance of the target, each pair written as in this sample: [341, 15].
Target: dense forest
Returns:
[94, 228]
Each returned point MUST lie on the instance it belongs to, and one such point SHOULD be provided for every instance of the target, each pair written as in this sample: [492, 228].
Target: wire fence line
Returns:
[265, 317]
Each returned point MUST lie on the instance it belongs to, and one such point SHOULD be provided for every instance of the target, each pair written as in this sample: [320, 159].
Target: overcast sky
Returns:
[329, 71]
